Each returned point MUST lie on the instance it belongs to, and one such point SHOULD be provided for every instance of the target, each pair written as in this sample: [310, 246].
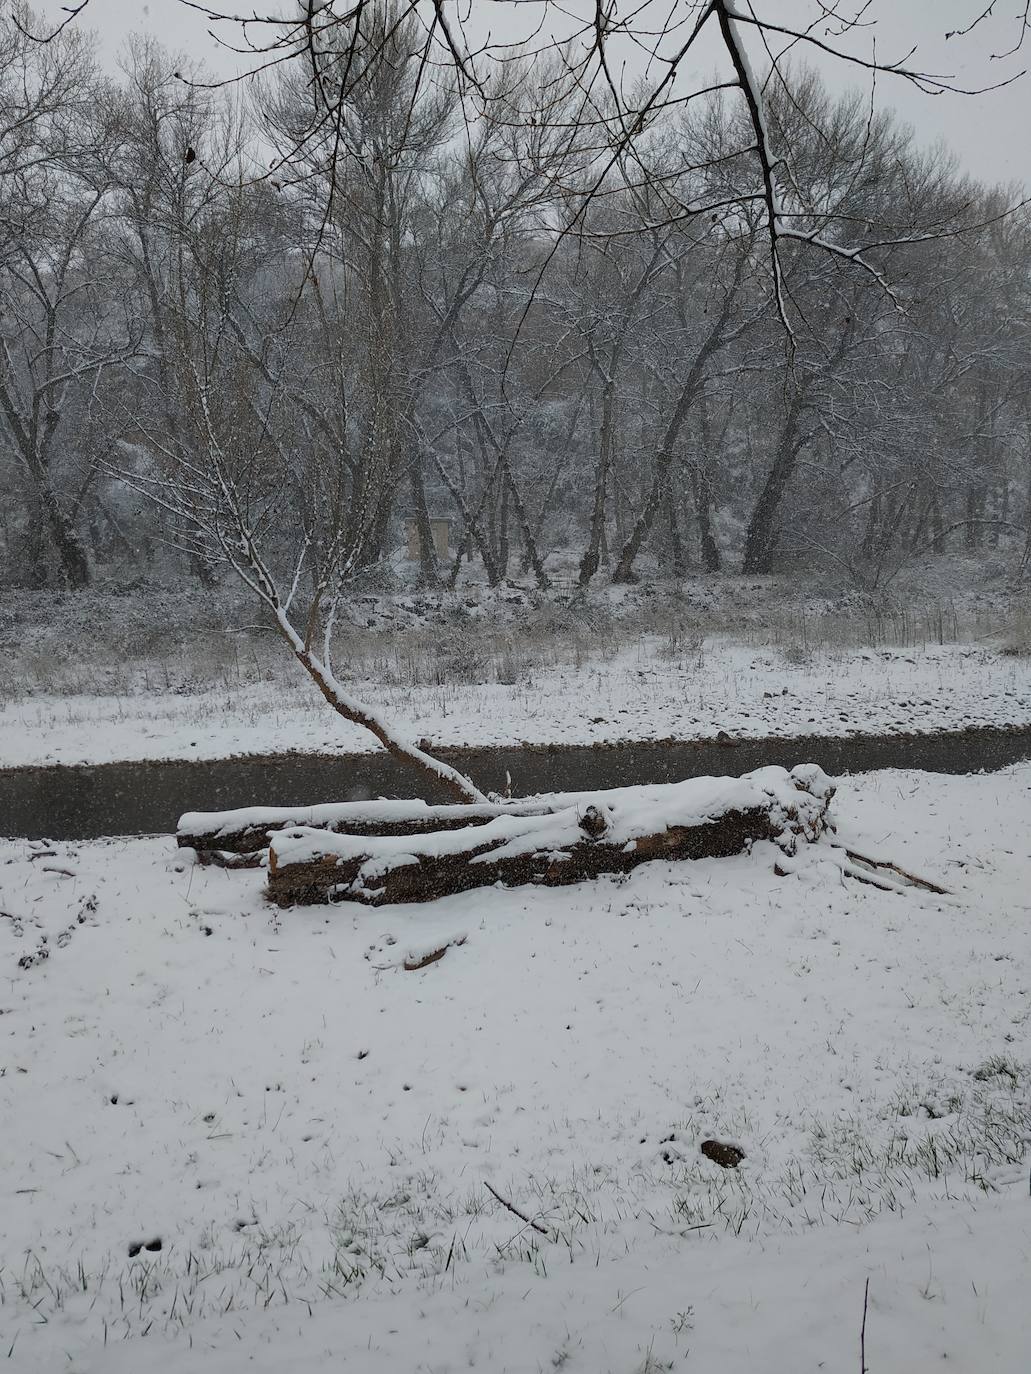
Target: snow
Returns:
[225, 824]
[308, 1128]
[793, 1304]
[634, 696]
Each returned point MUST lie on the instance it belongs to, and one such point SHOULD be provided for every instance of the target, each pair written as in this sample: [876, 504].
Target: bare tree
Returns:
[60, 326]
[594, 39]
[497, 283]
[239, 491]
[225, 434]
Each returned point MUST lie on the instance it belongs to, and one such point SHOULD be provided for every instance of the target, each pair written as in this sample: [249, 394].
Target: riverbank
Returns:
[645, 695]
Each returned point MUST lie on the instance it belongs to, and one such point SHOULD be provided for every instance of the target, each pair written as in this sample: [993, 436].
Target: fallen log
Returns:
[215, 835]
[592, 834]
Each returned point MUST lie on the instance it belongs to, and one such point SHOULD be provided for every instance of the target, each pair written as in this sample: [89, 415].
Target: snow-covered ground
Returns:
[639, 694]
[309, 1130]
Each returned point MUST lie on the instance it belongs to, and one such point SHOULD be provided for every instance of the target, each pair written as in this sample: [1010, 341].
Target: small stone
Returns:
[720, 1152]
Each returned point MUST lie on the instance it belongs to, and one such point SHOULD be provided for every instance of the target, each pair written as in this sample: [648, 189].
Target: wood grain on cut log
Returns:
[605, 832]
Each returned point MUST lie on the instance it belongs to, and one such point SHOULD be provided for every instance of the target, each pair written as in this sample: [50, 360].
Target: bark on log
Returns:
[606, 832]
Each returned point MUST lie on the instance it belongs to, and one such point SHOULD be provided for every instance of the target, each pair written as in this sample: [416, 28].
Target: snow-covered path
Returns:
[308, 1130]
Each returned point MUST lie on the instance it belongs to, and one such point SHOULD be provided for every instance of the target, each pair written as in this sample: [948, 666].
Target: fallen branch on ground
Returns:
[593, 833]
[417, 959]
[542, 1230]
[880, 864]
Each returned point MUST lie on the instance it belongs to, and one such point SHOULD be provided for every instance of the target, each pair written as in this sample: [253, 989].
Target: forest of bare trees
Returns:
[205, 368]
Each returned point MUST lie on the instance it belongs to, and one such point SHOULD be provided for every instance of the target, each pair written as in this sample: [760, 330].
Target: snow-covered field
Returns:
[309, 1131]
[639, 694]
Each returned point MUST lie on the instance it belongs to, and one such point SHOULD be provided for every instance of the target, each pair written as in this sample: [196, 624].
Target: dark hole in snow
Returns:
[363, 1054]
[138, 1245]
[206, 930]
[114, 1099]
[154, 1244]
[209, 1117]
[725, 1155]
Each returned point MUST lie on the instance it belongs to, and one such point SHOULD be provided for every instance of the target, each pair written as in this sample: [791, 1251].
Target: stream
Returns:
[144, 798]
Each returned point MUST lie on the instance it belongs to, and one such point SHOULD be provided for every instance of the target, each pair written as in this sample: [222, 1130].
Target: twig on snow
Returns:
[862, 1330]
[543, 1230]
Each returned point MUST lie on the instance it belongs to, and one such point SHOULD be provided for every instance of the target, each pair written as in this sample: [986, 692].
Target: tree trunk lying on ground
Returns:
[239, 839]
[593, 833]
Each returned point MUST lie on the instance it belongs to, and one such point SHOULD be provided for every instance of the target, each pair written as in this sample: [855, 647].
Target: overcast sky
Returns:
[990, 133]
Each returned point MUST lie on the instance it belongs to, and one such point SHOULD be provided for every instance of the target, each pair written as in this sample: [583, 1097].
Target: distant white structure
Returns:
[440, 530]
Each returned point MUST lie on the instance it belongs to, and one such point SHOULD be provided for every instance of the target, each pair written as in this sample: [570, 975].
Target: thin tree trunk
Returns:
[472, 532]
[694, 385]
[701, 488]
[675, 542]
[71, 552]
[427, 550]
[873, 517]
[711, 560]
[759, 541]
[503, 549]
[591, 559]
[530, 550]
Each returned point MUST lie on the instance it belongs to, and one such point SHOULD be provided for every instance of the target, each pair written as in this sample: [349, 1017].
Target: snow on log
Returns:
[593, 833]
[246, 832]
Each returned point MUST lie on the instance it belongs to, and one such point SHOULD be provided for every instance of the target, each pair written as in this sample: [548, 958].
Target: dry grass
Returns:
[427, 1227]
[165, 645]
